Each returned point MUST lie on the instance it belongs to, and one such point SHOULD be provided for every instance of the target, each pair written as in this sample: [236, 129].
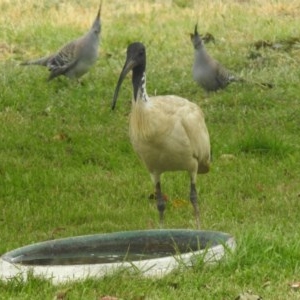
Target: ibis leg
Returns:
[160, 203]
[194, 201]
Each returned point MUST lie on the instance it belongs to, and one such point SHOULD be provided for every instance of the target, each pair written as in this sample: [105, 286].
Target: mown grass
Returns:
[67, 167]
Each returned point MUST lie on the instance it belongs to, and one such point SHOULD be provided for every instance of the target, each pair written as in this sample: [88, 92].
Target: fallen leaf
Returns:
[248, 296]
[228, 156]
[108, 298]
[55, 231]
[58, 229]
[177, 203]
[61, 295]
[153, 196]
[295, 285]
[61, 137]
[266, 284]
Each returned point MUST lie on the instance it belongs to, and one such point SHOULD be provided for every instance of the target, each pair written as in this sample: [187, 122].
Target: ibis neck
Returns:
[139, 86]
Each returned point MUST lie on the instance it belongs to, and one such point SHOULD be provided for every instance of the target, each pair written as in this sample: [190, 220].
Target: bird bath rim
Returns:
[153, 252]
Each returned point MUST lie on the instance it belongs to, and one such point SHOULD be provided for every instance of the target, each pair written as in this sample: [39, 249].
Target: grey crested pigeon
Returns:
[208, 72]
[76, 57]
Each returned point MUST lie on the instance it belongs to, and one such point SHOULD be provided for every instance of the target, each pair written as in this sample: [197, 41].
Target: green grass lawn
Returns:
[67, 167]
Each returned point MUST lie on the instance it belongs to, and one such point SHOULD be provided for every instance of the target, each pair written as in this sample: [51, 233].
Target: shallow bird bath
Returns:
[153, 252]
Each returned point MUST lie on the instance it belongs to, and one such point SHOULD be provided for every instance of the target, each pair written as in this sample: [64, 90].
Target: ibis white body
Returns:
[169, 134]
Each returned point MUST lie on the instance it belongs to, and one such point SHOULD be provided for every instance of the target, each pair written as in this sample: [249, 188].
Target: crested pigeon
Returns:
[76, 57]
[208, 72]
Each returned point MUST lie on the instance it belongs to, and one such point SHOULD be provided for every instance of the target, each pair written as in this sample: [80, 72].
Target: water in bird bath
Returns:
[151, 251]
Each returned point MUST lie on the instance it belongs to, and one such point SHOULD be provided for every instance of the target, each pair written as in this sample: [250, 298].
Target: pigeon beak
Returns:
[129, 65]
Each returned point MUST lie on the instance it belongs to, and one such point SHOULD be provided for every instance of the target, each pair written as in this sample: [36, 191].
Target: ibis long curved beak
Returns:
[129, 65]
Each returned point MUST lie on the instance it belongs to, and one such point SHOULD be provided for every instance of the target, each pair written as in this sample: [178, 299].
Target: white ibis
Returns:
[167, 132]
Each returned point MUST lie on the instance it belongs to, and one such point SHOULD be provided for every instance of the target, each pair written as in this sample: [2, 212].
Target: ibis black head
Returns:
[96, 27]
[195, 38]
[135, 61]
